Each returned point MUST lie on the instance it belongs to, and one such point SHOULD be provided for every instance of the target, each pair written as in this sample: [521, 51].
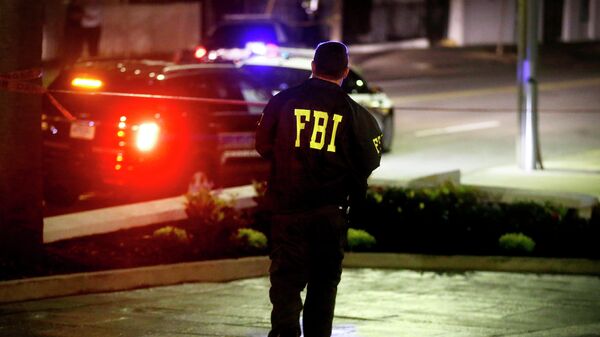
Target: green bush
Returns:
[516, 243]
[359, 239]
[456, 220]
[212, 221]
[172, 233]
[252, 239]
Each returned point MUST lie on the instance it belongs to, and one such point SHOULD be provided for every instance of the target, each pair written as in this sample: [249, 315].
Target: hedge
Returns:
[456, 220]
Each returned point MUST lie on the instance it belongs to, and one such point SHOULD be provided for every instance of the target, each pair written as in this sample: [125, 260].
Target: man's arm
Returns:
[365, 152]
[266, 130]
[367, 141]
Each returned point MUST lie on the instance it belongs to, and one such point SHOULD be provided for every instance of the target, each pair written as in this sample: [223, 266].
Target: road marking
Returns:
[494, 90]
[457, 128]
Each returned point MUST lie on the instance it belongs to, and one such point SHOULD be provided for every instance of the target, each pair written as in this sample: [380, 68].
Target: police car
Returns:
[238, 35]
[147, 126]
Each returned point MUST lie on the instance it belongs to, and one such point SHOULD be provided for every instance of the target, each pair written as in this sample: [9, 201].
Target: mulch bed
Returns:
[128, 248]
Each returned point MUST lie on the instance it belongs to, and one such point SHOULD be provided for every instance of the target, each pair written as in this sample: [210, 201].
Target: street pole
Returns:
[336, 21]
[21, 225]
[528, 148]
[500, 43]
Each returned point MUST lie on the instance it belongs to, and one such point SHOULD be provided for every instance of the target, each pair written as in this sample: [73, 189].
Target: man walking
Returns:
[322, 146]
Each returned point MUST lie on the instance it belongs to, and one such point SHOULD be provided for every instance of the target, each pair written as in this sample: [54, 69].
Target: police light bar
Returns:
[86, 83]
[262, 49]
[257, 48]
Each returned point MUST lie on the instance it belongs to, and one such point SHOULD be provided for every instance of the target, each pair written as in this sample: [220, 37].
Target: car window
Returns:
[354, 84]
[277, 79]
[221, 84]
[194, 86]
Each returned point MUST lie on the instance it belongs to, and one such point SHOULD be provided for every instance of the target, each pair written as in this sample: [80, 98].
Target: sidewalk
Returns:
[371, 303]
[419, 62]
[573, 182]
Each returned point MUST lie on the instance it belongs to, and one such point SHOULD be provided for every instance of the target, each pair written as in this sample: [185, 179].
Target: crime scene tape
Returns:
[23, 75]
[168, 97]
[17, 82]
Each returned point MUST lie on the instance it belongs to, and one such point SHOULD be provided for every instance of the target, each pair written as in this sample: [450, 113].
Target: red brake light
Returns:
[86, 83]
[200, 52]
[147, 136]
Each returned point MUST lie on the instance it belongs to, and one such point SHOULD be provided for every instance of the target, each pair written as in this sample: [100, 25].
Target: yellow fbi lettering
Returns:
[319, 130]
[377, 143]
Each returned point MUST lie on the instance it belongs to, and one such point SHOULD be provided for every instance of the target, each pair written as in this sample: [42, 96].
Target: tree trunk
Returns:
[21, 224]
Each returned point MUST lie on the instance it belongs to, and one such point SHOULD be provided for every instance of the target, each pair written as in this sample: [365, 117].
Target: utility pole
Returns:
[336, 21]
[500, 43]
[21, 224]
[528, 146]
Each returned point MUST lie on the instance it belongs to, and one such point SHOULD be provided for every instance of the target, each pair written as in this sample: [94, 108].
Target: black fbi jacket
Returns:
[322, 146]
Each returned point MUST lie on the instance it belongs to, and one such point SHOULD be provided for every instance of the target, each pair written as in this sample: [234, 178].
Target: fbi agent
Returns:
[322, 146]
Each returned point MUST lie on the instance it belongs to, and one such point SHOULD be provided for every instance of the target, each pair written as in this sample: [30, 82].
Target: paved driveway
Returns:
[371, 303]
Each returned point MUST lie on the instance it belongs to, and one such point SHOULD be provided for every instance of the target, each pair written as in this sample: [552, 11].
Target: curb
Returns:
[583, 203]
[127, 279]
[110, 219]
[249, 267]
[473, 263]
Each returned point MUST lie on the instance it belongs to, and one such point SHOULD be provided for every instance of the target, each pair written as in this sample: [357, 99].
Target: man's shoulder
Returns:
[288, 93]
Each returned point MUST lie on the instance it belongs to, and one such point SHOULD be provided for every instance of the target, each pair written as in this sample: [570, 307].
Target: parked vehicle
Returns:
[149, 144]
[239, 36]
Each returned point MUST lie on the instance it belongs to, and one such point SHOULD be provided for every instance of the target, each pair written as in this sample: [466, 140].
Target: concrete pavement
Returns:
[371, 303]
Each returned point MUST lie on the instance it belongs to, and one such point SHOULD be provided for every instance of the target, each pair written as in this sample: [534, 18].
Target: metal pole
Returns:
[529, 157]
[335, 21]
[500, 43]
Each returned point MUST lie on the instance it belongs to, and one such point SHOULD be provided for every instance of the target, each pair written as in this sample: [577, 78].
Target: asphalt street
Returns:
[456, 109]
[371, 303]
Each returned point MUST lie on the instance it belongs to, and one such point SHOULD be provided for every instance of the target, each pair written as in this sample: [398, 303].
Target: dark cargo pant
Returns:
[307, 250]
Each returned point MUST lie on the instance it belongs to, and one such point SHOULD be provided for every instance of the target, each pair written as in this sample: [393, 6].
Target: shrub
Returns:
[212, 221]
[252, 239]
[459, 220]
[359, 239]
[170, 232]
[516, 243]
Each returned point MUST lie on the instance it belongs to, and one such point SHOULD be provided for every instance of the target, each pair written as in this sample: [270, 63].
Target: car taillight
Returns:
[200, 52]
[86, 83]
[147, 136]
